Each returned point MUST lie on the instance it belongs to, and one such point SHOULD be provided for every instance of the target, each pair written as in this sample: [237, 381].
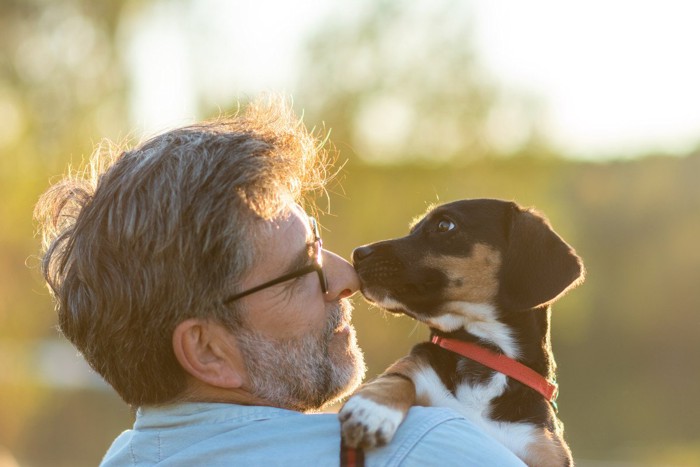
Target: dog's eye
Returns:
[445, 225]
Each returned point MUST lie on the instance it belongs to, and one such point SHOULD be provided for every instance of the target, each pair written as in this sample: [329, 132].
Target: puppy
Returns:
[482, 275]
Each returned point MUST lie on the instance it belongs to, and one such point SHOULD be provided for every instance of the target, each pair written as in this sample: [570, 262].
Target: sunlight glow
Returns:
[616, 77]
[613, 79]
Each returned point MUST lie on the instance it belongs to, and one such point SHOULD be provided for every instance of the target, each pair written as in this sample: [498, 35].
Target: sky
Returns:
[615, 78]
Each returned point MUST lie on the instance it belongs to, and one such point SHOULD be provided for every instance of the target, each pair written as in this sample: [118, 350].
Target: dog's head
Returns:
[468, 259]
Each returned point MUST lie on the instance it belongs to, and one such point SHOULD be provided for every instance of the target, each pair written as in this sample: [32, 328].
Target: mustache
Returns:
[340, 314]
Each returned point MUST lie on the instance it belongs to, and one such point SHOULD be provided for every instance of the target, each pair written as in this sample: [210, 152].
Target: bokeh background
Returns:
[589, 111]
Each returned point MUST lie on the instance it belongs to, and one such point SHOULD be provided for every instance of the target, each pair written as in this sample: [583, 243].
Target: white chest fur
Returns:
[474, 403]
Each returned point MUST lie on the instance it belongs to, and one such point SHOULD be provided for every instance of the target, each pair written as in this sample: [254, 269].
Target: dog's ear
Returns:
[538, 266]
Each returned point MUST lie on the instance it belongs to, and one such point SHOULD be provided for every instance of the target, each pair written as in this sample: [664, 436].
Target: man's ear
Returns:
[538, 266]
[209, 353]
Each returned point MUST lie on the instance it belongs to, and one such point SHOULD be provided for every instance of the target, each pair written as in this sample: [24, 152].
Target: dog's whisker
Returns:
[415, 328]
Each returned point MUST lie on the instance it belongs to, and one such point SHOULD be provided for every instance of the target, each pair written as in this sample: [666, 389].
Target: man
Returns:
[189, 277]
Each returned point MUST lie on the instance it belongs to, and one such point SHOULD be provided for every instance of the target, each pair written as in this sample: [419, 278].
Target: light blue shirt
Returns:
[211, 434]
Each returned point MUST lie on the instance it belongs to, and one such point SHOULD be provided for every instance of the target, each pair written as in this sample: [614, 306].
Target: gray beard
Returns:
[300, 373]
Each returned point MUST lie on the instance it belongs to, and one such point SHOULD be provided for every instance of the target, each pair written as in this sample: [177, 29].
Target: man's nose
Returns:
[342, 278]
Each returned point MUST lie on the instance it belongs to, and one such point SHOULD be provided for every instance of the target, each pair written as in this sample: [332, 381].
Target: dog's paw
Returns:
[367, 424]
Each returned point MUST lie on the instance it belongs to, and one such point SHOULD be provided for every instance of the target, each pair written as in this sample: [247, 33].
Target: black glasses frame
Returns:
[316, 265]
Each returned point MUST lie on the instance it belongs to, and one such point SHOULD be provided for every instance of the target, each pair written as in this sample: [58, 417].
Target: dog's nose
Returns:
[360, 253]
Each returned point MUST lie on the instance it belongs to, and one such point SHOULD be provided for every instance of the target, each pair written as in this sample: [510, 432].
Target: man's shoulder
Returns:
[421, 421]
[426, 414]
[268, 436]
[431, 435]
[427, 436]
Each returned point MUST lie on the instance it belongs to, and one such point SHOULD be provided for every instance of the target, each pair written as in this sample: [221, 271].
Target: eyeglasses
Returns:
[316, 265]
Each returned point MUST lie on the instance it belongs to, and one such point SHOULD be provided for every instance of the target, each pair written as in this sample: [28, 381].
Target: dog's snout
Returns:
[360, 253]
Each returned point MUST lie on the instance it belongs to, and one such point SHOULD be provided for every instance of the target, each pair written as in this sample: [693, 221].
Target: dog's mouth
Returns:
[446, 316]
[379, 297]
[385, 300]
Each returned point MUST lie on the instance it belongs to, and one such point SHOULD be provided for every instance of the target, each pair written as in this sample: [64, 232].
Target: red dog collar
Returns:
[502, 364]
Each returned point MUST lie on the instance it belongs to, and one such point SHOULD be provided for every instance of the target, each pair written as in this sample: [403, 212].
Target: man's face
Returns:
[298, 344]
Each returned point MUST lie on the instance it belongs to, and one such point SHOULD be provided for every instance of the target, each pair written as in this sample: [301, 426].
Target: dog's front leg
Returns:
[372, 415]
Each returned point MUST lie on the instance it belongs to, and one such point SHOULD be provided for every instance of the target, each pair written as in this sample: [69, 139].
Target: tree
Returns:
[400, 81]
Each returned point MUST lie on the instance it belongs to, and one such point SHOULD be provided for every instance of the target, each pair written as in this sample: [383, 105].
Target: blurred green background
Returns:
[417, 120]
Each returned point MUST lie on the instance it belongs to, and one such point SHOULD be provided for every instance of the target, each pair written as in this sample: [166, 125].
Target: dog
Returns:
[482, 274]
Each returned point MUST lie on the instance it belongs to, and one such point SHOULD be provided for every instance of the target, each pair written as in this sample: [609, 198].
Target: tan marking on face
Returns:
[478, 274]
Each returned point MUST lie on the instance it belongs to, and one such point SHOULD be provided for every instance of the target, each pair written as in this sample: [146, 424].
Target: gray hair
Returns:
[150, 237]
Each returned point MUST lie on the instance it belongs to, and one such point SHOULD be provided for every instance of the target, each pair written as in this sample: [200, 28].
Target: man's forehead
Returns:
[282, 243]
[290, 224]
[289, 213]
